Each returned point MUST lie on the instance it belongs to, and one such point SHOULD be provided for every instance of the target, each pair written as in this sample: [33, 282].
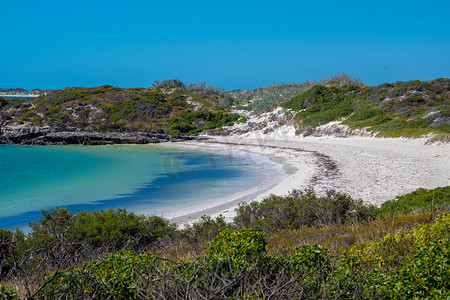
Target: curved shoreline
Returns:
[372, 169]
[276, 173]
[245, 174]
[300, 170]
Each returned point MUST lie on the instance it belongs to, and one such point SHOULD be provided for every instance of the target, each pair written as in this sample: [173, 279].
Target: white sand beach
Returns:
[373, 169]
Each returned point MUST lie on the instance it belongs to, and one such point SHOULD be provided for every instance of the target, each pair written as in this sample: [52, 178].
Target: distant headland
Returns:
[336, 106]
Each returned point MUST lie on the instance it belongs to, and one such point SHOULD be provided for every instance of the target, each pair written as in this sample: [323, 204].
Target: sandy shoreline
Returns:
[373, 169]
[275, 170]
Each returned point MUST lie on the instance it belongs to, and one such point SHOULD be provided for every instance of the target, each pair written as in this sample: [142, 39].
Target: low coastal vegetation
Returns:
[409, 109]
[412, 108]
[19, 92]
[167, 107]
[301, 246]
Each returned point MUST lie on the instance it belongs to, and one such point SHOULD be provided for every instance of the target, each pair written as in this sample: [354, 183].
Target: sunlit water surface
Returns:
[159, 180]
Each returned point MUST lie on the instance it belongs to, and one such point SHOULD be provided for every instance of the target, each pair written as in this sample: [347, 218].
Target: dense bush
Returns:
[7, 294]
[266, 98]
[169, 84]
[409, 266]
[316, 97]
[3, 102]
[111, 229]
[108, 108]
[234, 250]
[342, 80]
[419, 200]
[303, 208]
[362, 115]
[401, 109]
[116, 277]
[203, 230]
[196, 122]
[235, 265]
[426, 276]
[92, 255]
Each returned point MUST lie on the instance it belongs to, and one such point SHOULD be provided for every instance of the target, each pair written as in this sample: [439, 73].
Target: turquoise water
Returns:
[18, 97]
[135, 177]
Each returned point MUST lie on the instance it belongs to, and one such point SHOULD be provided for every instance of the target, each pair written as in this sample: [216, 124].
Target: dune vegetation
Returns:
[412, 108]
[302, 246]
[408, 109]
[168, 107]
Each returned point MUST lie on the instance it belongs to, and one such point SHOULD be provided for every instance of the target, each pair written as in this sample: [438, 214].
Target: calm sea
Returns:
[18, 97]
[159, 180]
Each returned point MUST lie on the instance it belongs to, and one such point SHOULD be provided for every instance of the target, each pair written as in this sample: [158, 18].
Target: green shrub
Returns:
[394, 250]
[419, 200]
[267, 98]
[426, 276]
[364, 114]
[405, 265]
[302, 208]
[196, 122]
[11, 244]
[236, 249]
[116, 277]
[3, 102]
[388, 253]
[109, 230]
[7, 294]
[181, 126]
[309, 257]
[320, 104]
[169, 84]
[391, 125]
[203, 230]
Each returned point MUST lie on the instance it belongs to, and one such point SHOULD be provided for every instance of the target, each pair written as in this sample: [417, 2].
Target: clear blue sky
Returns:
[232, 44]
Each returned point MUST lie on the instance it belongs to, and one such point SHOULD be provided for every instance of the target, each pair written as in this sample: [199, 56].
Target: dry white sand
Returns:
[373, 169]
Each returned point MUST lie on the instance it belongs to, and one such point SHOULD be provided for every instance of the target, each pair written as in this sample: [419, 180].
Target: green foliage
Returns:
[169, 84]
[342, 80]
[266, 98]
[321, 104]
[418, 200]
[427, 275]
[3, 102]
[309, 257]
[316, 97]
[365, 114]
[236, 249]
[406, 266]
[11, 244]
[402, 109]
[108, 108]
[395, 250]
[302, 208]
[116, 276]
[402, 265]
[196, 122]
[7, 294]
[388, 253]
[110, 229]
[391, 125]
[203, 230]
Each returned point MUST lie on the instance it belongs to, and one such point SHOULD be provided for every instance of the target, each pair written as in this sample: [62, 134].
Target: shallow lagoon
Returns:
[159, 180]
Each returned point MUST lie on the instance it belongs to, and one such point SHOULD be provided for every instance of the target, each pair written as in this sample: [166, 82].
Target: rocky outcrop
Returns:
[49, 137]
[337, 129]
[266, 123]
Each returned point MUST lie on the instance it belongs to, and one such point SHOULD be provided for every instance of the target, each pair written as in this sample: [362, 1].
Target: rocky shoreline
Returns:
[51, 137]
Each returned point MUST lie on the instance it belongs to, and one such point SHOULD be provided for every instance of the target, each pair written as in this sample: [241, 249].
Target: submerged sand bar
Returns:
[373, 169]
